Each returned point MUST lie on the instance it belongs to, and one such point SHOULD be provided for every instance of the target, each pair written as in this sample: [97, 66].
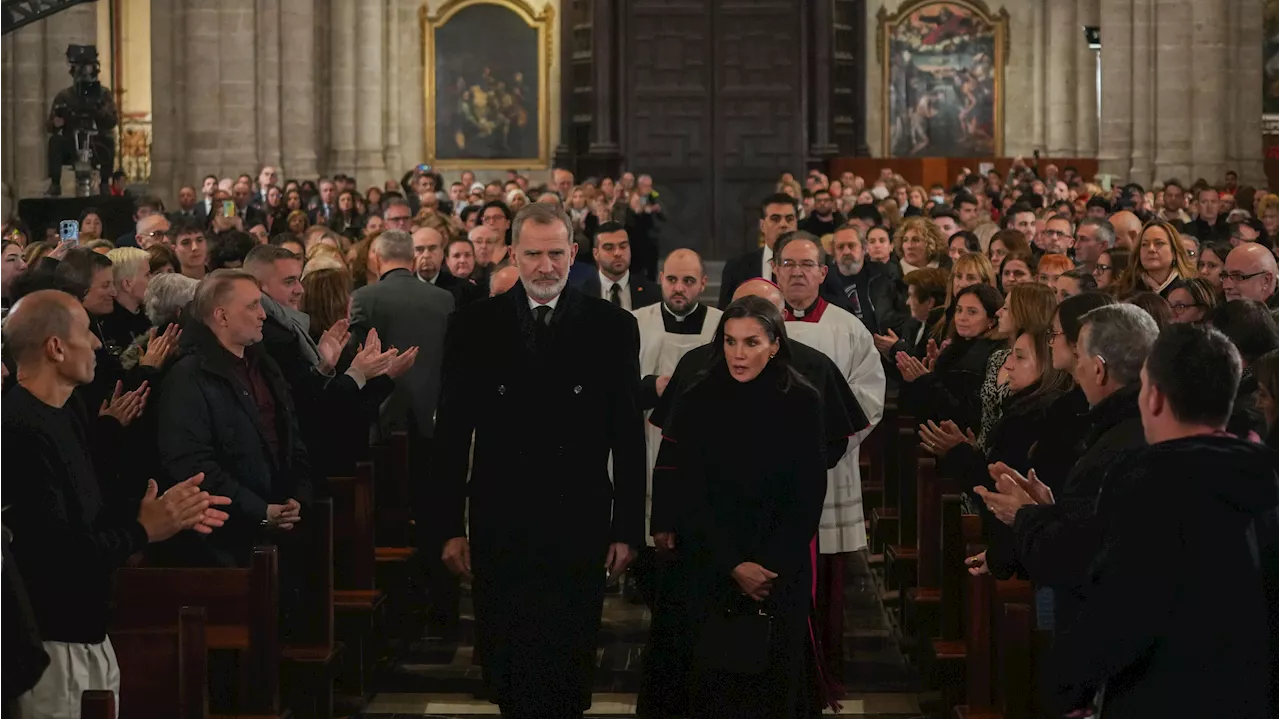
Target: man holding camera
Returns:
[85, 107]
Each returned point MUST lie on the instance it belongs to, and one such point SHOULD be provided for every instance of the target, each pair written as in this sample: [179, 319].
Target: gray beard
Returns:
[545, 292]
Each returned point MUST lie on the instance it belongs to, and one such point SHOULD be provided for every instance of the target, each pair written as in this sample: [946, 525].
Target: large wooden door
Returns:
[714, 110]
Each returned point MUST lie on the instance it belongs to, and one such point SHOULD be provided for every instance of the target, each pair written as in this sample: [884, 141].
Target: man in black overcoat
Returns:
[548, 526]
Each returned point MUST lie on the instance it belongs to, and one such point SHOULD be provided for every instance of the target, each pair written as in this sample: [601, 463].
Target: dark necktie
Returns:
[542, 314]
[615, 294]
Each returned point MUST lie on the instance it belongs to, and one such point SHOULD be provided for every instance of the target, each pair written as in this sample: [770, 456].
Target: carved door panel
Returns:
[712, 109]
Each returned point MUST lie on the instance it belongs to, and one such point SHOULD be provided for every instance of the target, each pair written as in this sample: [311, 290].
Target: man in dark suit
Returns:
[407, 312]
[779, 213]
[547, 526]
[614, 280]
[428, 248]
[326, 203]
[249, 214]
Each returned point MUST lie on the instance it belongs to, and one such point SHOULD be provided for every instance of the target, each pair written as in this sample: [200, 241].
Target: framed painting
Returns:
[943, 78]
[486, 65]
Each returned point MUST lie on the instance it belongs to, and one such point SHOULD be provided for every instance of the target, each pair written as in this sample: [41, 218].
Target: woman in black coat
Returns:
[754, 498]
[947, 388]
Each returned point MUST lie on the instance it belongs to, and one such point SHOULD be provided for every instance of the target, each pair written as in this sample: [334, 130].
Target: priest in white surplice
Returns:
[801, 267]
[668, 330]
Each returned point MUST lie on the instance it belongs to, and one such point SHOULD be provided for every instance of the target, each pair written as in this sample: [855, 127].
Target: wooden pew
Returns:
[358, 603]
[311, 653]
[946, 651]
[242, 614]
[881, 456]
[164, 670]
[900, 556]
[97, 704]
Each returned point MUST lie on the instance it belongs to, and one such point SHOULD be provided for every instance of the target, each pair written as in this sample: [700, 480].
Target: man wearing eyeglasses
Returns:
[801, 267]
[1250, 274]
[152, 230]
[1056, 238]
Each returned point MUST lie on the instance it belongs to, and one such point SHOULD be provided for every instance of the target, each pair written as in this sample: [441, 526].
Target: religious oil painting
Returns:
[486, 68]
[943, 65]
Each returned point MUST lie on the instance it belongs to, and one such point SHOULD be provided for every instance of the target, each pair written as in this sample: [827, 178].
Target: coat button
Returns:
[577, 389]
[502, 389]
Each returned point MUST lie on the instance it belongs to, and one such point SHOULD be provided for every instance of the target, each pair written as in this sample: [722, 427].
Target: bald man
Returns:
[66, 544]
[1128, 227]
[503, 280]
[1250, 274]
[664, 674]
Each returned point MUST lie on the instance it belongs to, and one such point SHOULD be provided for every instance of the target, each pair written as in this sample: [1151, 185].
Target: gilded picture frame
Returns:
[942, 68]
[477, 58]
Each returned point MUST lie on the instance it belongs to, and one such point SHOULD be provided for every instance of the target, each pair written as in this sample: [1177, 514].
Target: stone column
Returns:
[237, 92]
[1115, 139]
[1247, 123]
[1086, 108]
[167, 170]
[342, 86]
[1174, 89]
[1144, 92]
[1208, 90]
[8, 102]
[371, 168]
[408, 71]
[1038, 75]
[267, 82]
[1061, 77]
[298, 137]
[29, 112]
[391, 58]
[604, 40]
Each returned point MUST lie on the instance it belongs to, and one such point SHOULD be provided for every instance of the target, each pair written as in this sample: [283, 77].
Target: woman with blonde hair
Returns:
[919, 243]
[891, 213]
[1162, 260]
[297, 222]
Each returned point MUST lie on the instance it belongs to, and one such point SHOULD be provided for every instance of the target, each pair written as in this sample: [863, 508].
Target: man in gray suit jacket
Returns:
[407, 312]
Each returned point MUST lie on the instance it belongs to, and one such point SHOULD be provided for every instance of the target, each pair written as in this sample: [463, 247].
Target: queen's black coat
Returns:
[553, 403]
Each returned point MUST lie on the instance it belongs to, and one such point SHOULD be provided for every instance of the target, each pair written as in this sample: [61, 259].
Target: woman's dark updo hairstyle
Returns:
[771, 320]
[1072, 309]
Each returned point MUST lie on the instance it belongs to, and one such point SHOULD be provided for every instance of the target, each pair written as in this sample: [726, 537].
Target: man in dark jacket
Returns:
[226, 411]
[871, 294]
[1057, 537]
[1154, 634]
[778, 216]
[548, 524]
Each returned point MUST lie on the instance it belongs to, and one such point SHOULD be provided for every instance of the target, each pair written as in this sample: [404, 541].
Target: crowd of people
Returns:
[1071, 353]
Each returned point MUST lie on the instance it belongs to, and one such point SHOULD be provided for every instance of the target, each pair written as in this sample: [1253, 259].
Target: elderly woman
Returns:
[166, 297]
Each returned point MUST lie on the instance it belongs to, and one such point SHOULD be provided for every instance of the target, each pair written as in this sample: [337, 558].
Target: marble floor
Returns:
[432, 678]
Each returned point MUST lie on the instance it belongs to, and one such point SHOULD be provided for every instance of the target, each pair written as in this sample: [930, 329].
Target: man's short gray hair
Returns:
[126, 262]
[167, 295]
[1106, 233]
[1122, 335]
[394, 245]
[540, 213]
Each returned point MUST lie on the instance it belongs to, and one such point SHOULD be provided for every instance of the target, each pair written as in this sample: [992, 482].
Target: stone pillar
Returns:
[604, 39]
[8, 103]
[298, 137]
[1086, 104]
[1208, 90]
[1247, 123]
[1144, 92]
[267, 82]
[201, 77]
[29, 112]
[392, 56]
[1174, 89]
[371, 168]
[1038, 74]
[237, 86]
[1115, 139]
[412, 91]
[342, 86]
[1061, 77]
[820, 33]
[167, 167]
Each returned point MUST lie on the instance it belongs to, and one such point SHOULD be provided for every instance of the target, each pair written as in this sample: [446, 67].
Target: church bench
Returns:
[358, 603]
[900, 556]
[242, 615]
[311, 655]
[947, 652]
[394, 565]
[164, 669]
[919, 608]
[900, 446]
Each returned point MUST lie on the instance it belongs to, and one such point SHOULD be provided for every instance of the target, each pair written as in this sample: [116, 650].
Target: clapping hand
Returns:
[942, 438]
[125, 406]
[1013, 492]
[885, 342]
[402, 362]
[371, 361]
[331, 344]
[911, 368]
[182, 506]
[159, 346]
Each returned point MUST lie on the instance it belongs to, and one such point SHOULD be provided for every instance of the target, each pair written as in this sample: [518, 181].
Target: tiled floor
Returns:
[433, 679]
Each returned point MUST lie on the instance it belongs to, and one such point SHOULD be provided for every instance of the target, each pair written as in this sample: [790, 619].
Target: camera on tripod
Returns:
[84, 71]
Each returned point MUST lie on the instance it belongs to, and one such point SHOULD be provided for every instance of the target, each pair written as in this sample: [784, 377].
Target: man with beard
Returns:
[825, 218]
[614, 281]
[547, 526]
[668, 329]
[871, 295]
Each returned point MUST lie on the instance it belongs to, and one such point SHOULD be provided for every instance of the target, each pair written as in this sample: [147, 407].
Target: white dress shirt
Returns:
[624, 288]
[766, 267]
[534, 304]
